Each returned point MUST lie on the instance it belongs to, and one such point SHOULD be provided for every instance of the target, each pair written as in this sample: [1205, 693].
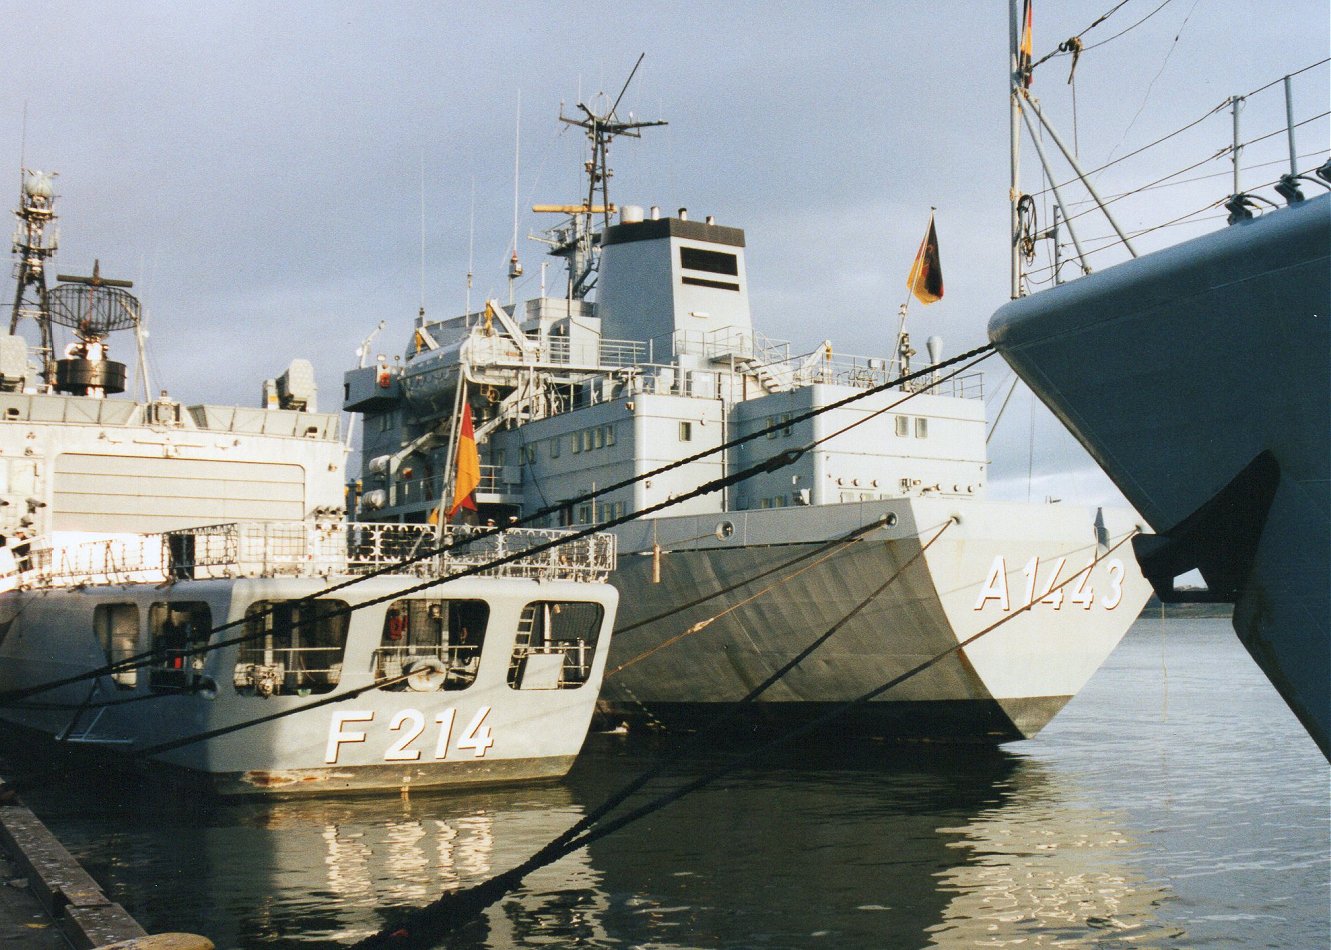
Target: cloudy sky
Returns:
[259, 169]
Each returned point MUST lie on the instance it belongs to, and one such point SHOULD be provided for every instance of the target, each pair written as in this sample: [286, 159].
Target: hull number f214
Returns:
[1048, 584]
[407, 728]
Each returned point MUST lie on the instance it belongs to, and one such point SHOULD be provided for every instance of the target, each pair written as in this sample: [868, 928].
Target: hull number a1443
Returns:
[1050, 584]
[407, 730]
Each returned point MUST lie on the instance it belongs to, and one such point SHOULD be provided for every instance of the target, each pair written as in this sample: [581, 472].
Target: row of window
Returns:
[298, 647]
[783, 421]
[584, 440]
[593, 513]
[921, 426]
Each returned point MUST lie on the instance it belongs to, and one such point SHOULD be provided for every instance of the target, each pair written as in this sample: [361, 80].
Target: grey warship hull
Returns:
[894, 585]
[1152, 366]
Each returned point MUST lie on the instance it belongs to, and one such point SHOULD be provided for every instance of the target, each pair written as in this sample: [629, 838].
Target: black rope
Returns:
[423, 927]
[769, 465]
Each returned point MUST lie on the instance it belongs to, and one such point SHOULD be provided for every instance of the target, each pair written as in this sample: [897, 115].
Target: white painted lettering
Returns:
[1111, 599]
[337, 734]
[1031, 571]
[1051, 594]
[1084, 596]
[476, 737]
[398, 751]
[995, 586]
[445, 721]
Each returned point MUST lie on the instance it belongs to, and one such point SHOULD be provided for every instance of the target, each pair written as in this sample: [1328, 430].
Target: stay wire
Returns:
[833, 549]
[1110, 241]
[803, 555]
[1072, 44]
[1221, 153]
[768, 465]
[1195, 122]
[424, 925]
[145, 657]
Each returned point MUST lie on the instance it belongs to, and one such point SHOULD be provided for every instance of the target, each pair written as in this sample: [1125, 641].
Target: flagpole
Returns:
[904, 351]
[1014, 147]
[450, 459]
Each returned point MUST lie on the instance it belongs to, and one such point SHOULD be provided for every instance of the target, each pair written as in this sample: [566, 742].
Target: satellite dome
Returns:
[38, 185]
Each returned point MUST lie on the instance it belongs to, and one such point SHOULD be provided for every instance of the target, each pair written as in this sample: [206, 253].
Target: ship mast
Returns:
[34, 246]
[576, 241]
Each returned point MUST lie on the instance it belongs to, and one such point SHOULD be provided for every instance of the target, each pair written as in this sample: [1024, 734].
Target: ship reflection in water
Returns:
[1110, 830]
[1044, 872]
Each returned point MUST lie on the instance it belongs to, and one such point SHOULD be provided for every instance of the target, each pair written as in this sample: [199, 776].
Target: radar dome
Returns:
[38, 185]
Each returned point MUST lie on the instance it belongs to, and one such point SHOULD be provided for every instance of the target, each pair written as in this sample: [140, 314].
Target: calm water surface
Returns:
[1175, 803]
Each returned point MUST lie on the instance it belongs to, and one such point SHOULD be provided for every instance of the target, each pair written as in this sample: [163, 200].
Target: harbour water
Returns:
[1175, 803]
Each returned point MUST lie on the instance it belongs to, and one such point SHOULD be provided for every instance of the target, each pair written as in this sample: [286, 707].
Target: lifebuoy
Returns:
[425, 674]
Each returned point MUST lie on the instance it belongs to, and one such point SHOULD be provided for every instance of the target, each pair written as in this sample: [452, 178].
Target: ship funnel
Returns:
[935, 347]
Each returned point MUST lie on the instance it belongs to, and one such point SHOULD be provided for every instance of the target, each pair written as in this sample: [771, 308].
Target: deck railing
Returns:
[306, 549]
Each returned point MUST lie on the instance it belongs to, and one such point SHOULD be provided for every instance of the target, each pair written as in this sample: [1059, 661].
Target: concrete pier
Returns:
[48, 901]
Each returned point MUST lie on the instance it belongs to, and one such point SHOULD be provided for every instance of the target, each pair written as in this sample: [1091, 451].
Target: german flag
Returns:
[1024, 53]
[468, 469]
[926, 274]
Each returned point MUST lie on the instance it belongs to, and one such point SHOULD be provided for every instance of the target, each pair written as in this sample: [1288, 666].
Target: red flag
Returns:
[467, 475]
[926, 274]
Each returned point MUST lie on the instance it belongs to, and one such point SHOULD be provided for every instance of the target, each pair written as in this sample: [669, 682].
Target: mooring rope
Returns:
[770, 464]
[842, 545]
[422, 926]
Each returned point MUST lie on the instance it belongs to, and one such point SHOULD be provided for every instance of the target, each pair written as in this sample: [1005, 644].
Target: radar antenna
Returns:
[92, 307]
[577, 242]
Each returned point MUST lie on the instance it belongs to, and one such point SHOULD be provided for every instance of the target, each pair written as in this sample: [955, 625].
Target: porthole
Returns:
[724, 529]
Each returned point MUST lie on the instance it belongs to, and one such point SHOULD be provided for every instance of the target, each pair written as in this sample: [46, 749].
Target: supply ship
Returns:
[644, 378]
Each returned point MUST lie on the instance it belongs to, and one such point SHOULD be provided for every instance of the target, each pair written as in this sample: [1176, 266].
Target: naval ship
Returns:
[179, 589]
[642, 378]
[1153, 365]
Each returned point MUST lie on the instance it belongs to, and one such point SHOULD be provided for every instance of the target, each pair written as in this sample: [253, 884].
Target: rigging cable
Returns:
[773, 463]
[422, 927]
[1218, 108]
[837, 547]
[1151, 85]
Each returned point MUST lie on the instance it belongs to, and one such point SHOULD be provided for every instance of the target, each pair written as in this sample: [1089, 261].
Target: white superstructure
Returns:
[869, 517]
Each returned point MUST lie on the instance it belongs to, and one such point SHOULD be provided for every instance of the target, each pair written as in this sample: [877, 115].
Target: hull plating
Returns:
[1175, 371]
[727, 613]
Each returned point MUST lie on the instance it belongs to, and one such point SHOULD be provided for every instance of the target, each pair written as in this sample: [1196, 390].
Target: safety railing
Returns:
[305, 549]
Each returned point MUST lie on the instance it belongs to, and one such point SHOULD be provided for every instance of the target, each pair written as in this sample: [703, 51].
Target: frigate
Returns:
[1199, 378]
[179, 589]
[847, 501]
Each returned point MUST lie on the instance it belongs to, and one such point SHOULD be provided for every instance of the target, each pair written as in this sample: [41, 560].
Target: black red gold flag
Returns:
[926, 274]
[1024, 54]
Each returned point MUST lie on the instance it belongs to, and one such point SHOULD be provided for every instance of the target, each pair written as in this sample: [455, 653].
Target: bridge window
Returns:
[714, 262]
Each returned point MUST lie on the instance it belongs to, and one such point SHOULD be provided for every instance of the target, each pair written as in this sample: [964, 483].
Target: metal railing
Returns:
[305, 549]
